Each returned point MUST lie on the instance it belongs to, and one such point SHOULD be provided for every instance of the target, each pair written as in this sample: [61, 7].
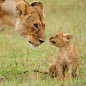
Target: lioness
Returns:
[67, 57]
[27, 19]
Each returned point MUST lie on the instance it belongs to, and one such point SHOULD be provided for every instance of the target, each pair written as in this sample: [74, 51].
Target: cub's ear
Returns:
[21, 8]
[68, 36]
[37, 5]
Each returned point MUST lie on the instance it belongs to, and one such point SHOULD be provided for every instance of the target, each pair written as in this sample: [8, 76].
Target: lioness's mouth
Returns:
[34, 46]
[33, 43]
[30, 42]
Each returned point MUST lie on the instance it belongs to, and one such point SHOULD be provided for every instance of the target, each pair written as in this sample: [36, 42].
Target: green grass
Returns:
[16, 56]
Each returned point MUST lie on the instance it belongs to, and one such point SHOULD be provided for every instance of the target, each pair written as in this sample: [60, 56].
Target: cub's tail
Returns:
[45, 72]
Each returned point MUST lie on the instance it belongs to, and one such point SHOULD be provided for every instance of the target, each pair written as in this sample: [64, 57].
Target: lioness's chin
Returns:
[34, 46]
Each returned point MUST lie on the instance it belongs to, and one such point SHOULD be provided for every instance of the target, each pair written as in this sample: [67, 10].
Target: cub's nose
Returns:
[41, 41]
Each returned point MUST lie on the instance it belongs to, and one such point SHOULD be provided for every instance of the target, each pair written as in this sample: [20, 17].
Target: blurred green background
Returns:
[16, 56]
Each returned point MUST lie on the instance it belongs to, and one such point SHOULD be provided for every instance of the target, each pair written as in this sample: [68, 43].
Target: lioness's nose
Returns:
[50, 38]
[41, 40]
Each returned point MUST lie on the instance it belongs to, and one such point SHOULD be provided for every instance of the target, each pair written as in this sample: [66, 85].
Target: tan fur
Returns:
[67, 57]
[27, 19]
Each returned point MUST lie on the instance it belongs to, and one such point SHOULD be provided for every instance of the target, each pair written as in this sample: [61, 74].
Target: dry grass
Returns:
[16, 56]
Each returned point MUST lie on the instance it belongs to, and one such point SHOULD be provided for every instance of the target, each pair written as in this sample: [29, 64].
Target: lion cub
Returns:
[67, 57]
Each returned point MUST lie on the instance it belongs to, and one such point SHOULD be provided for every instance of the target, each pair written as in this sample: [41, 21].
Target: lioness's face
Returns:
[61, 39]
[31, 26]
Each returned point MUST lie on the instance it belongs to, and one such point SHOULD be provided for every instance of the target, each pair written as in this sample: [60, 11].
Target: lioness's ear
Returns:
[37, 5]
[68, 36]
[21, 8]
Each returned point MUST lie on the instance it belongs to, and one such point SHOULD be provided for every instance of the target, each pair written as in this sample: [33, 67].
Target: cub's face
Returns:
[61, 39]
[30, 23]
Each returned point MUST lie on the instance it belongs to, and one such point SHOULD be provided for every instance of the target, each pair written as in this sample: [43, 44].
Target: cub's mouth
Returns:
[52, 42]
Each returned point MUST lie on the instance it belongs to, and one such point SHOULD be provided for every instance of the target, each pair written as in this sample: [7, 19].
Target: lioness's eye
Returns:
[36, 25]
[56, 35]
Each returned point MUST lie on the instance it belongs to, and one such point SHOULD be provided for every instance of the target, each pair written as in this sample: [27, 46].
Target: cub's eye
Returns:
[56, 35]
[36, 25]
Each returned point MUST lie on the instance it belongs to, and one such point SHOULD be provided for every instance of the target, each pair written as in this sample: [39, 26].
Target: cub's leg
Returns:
[1, 24]
[1, 27]
[52, 69]
[71, 71]
[59, 72]
[74, 73]
[1, 14]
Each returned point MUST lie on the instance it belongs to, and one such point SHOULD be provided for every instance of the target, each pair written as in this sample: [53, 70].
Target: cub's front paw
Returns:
[57, 78]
